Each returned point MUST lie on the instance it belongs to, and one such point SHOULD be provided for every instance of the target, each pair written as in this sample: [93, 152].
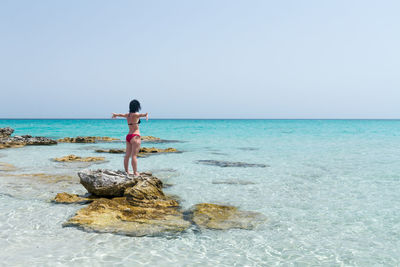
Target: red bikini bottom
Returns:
[130, 136]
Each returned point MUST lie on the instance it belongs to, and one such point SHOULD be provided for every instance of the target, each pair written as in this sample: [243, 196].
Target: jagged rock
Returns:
[66, 198]
[6, 132]
[20, 141]
[106, 182]
[86, 139]
[7, 167]
[220, 217]
[74, 158]
[118, 216]
[222, 163]
[148, 193]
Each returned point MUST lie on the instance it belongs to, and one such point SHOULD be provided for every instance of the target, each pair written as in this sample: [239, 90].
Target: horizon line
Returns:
[205, 119]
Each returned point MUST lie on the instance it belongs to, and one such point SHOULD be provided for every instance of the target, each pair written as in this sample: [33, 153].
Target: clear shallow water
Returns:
[330, 193]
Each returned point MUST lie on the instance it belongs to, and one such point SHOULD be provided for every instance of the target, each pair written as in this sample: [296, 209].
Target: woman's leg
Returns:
[135, 151]
[128, 153]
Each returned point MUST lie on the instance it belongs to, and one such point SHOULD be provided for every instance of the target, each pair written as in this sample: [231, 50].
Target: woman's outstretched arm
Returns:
[115, 115]
[144, 115]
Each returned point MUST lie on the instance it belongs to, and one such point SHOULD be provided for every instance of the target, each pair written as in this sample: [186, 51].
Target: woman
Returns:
[133, 137]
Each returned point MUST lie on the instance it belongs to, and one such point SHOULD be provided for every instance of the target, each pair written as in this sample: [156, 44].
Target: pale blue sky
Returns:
[200, 59]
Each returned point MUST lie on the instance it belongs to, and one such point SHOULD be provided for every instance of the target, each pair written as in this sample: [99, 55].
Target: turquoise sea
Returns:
[330, 193]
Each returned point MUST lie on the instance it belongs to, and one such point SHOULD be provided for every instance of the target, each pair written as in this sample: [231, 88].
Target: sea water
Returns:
[330, 192]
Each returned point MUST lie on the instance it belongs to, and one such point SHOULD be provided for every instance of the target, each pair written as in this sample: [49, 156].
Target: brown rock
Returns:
[117, 216]
[86, 139]
[73, 158]
[66, 198]
[220, 217]
[149, 138]
[20, 141]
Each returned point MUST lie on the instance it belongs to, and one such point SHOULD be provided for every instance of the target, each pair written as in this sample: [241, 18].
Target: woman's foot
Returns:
[136, 174]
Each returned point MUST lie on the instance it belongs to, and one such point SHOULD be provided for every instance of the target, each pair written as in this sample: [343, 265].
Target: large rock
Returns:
[6, 132]
[74, 158]
[106, 182]
[20, 141]
[143, 210]
[213, 216]
[86, 139]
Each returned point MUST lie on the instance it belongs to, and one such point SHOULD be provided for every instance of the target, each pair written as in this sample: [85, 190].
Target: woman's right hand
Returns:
[147, 116]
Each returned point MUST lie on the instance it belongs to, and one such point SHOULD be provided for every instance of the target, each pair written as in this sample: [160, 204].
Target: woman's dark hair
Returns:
[134, 106]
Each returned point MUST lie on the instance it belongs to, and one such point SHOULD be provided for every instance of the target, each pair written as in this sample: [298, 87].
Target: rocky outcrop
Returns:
[74, 158]
[118, 216]
[137, 206]
[144, 151]
[142, 210]
[6, 141]
[213, 216]
[6, 132]
[86, 139]
[106, 182]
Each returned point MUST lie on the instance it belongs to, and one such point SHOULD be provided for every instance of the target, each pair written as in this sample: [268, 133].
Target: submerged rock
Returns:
[144, 151]
[222, 163]
[7, 167]
[233, 182]
[66, 198]
[213, 216]
[111, 150]
[86, 139]
[152, 139]
[73, 158]
[6, 132]
[106, 182]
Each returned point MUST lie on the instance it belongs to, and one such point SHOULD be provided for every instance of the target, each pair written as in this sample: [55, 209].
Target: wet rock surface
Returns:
[74, 158]
[118, 216]
[223, 164]
[66, 198]
[219, 217]
[24, 140]
[87, 139]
